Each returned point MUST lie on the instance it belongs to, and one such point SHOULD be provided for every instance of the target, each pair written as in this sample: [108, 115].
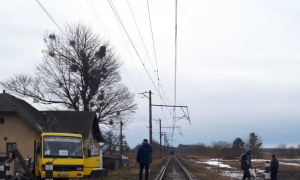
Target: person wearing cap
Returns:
[274, 167]
[246, 163]
[143, 156]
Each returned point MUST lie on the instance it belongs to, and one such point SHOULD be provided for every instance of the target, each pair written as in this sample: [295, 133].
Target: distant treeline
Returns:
[231, 153]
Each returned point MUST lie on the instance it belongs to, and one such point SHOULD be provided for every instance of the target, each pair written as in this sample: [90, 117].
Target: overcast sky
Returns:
[238, 62]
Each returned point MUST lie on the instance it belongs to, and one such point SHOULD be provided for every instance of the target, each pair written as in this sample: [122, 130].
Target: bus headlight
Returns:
[79, 169]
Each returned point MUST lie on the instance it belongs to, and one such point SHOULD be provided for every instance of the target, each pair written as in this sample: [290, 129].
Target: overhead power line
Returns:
[140, 34]
[174, 110]
[109, 37]
[128, 36]
[130, 40]
[152, 36]
[53, 20]
[101, 26]
[160, 87]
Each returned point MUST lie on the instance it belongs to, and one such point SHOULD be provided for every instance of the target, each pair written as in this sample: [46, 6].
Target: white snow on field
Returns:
[220, 163]
[260, 160]
[214, 162]
[296, 160]
[288, 162]
[237, 173]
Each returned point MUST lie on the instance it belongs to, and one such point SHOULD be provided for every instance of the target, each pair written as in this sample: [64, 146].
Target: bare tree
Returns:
[80, 71]
[282, 150]
[292, 152]
[282, 146]
[220, 144]
[112, 141]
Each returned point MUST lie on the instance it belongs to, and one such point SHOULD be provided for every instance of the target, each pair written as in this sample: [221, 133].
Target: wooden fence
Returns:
[3, 156]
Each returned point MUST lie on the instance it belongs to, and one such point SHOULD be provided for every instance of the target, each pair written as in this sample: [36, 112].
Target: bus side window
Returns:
[38, 147]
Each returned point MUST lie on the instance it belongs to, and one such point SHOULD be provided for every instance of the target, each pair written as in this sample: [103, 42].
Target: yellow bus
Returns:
[64, 150]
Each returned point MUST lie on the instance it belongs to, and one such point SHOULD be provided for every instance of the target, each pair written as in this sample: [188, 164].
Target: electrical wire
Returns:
[51, 18]
[174, 110]
[153, 46]
[157, 74]
[119, 19]
[140, 35]
[152, 36]
[131, 56]
[105, 31]
[108, 35]
[128, 36]
[98, 19]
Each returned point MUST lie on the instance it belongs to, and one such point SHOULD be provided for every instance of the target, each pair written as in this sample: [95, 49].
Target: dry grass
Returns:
[132, 172]
[285, 171]
[199, 170]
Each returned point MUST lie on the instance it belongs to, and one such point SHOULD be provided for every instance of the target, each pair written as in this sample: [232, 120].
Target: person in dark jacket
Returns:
[246, 163]
[274, 167]
[144, 158]
[28, 161]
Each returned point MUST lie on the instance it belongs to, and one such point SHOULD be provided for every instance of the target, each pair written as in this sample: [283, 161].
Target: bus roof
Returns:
[61, 134]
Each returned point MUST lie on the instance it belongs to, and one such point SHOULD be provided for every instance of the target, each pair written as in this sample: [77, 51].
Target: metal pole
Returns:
[160, 137]
[165, 143]
[150, 118]
[2, 171]
[21, 160]
[7, 171]
[121, 138]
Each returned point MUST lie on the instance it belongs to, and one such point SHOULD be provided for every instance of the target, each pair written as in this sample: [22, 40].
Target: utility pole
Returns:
[150, 118]
[165, 139]
[163, 134]
[160, 137]
[121, 138]
[186, 115]
[150, 114]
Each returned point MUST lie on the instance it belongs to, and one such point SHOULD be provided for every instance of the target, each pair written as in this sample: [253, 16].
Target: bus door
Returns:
[92, 158]
[37, 156]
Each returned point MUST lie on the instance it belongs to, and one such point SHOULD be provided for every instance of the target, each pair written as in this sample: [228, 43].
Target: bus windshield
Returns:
[62, 146]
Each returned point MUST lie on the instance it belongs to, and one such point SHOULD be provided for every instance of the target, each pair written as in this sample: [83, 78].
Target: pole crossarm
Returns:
[144, 94]
[171, 127]
[168, 105]
[178, 127]
[186, 114]
[150, 114]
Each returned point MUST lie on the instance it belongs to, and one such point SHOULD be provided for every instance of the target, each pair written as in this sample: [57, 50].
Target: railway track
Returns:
[174, 170]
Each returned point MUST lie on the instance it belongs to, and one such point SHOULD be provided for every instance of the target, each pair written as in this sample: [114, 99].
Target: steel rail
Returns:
[163, 171]
[184, 169]
[162, 175]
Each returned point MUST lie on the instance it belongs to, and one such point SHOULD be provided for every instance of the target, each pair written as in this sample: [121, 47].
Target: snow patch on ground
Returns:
[214, 162]
[235, 173]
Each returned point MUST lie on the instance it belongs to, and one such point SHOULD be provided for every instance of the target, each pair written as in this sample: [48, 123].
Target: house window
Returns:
[10, 146]
[1, 120]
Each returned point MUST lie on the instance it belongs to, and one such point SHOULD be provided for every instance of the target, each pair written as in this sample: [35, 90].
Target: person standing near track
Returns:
[246, 163]
[274, 167]
[144, 158]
